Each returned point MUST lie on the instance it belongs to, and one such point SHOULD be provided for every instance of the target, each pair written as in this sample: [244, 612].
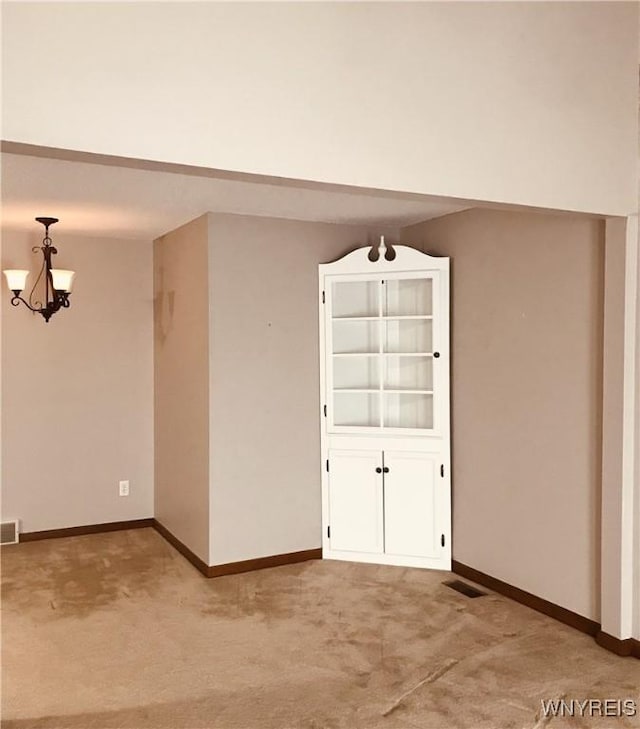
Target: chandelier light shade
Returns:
[17, 280]
[62, 279]
[57, 281]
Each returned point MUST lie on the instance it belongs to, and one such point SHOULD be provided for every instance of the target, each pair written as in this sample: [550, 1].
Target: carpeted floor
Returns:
[118, 630]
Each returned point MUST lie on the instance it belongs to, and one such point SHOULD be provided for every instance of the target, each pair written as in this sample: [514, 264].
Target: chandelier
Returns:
[57, 281]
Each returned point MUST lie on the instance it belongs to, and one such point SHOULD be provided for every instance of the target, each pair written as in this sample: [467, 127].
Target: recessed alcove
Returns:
[236, 472]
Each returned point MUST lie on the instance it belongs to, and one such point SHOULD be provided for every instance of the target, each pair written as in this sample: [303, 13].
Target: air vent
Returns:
[8, 532]
[464, 589]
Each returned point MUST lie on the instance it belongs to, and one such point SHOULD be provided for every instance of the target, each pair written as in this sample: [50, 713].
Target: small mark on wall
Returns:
[163, 310]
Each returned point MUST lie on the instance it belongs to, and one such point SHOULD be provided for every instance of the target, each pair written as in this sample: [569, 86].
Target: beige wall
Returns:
[265, 407]
[527, 320]
[181, 367]
[636, 592]
[612, 549]
[77, 393]
[621, 443]
[532, 103]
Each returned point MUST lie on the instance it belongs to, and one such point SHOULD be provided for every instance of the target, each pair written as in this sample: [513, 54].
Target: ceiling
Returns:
[108, 200]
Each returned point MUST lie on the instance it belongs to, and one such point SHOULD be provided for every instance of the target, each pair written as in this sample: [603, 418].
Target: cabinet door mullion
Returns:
[381, 348]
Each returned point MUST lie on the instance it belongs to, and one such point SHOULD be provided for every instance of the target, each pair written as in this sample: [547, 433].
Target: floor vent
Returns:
[8, 532]
[464, 589]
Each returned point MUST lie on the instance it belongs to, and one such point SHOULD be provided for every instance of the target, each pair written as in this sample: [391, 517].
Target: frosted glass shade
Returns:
[62, 279]
[16, 279]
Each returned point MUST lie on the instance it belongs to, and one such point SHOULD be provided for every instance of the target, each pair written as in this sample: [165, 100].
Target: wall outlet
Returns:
[124, 488]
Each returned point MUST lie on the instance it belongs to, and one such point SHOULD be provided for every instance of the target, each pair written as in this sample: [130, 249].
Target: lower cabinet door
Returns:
[412, 504]
[355, 501]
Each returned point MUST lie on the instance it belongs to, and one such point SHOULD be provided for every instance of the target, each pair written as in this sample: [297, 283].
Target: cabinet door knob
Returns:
[385, 470]
[436, 354]
[378, 470]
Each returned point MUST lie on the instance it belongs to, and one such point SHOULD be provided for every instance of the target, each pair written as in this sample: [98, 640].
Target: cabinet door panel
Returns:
[355, 501]
[408, 296]
[412, 509]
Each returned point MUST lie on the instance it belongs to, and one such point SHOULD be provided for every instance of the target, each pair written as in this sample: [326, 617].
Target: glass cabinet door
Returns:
[355, 349]
[380, 351]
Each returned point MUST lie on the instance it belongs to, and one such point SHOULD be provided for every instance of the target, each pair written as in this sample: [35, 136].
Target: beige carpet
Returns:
[118, 630]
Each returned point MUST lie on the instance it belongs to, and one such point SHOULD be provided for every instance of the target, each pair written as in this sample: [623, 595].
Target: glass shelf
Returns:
[356, 354]
[405, 391]
[402, 391]
[416, 317]
[407, 354]
[356, 389]
[355, 318]
[384, 318]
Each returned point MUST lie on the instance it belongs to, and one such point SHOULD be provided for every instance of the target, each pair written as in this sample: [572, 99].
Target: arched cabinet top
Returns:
[405, 259]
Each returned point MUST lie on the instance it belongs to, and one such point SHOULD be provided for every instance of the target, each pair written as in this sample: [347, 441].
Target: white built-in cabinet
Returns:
[385, 433]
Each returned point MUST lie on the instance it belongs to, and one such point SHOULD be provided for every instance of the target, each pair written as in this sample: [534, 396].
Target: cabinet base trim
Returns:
[429, 563]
